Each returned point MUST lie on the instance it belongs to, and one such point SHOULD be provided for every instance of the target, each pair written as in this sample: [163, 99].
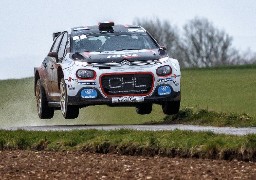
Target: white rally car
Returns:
[116, 65]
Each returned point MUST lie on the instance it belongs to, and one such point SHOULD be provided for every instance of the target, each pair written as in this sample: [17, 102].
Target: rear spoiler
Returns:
[56, 34]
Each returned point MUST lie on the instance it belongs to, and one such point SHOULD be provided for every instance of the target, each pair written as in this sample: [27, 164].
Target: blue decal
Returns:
[164, 90]
[89, 93]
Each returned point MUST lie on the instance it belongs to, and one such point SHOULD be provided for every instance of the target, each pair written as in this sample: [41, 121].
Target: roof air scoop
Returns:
[106, 26]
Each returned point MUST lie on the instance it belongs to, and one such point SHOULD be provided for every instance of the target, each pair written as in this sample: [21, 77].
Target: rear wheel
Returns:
[171, 107]
[144, 108]
[43, 110]
[68, 111]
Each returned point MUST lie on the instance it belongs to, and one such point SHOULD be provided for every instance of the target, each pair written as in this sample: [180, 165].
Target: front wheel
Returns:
[171, 107]
[68, 111]
[43, 110]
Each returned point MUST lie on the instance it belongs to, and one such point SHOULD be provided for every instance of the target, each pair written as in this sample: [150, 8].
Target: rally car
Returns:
[115, 65]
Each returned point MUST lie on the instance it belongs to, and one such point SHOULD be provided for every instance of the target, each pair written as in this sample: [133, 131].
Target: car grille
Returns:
[127, 84]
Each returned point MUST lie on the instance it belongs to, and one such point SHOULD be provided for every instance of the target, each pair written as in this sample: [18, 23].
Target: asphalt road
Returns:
[217, 130]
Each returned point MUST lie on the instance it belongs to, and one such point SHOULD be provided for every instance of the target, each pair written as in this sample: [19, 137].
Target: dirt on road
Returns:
[83, 165]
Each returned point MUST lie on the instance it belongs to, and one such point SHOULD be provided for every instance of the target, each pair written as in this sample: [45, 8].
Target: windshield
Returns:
[112, 42]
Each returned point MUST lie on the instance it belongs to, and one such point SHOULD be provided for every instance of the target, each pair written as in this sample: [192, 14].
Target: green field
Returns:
[230, 90]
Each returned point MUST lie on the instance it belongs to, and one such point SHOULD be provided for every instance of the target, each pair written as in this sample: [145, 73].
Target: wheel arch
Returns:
[36, 78]
[60, 75]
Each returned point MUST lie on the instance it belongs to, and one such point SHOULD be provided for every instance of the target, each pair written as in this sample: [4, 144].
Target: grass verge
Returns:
[206, 117]
[130, 142]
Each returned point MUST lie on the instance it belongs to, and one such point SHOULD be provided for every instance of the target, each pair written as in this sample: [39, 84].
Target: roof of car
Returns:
[96, 29]
[104, 27]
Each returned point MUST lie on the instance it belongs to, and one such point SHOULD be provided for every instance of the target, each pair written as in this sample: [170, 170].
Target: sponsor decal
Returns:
[83, 36]
[164, 60]
[83, 64]
[165, 80]
[70, 87]
[87, 83]
[175, 75]
[71, 79]
[124, 62]
[135, 30]
[121, 82]
[164, 90]
[75, 38]
[127, 99]
[123, 55]
[89, 93]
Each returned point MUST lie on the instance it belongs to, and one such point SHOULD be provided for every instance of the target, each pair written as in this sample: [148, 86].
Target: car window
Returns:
[122, 42]
[56, 43]
[112, 42]
[88, 43]
[62, 47]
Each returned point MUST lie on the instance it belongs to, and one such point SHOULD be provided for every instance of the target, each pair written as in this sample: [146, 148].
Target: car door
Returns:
[57, 63]
[51, 60]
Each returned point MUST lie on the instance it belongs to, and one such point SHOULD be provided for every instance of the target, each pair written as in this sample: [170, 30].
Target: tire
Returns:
[43, 110]
[68, 111]
[144, 108]
[171, 107]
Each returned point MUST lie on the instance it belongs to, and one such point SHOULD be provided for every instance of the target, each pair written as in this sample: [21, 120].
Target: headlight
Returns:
[85, 74]
[164, 70]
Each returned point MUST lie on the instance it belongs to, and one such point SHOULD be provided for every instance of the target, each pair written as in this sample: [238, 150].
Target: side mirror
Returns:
[53, 54]
[162, 50]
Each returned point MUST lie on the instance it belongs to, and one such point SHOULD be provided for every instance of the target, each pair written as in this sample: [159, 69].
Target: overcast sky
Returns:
[26, 26]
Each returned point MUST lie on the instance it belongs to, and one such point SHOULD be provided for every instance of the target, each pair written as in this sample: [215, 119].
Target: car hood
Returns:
[119, 56]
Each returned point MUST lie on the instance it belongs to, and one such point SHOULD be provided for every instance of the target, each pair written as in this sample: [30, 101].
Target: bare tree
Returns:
[166, 34]
[247, 57]
[201, 44]
[206, 46]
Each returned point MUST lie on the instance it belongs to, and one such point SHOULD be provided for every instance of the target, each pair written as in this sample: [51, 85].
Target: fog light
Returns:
[164, 90]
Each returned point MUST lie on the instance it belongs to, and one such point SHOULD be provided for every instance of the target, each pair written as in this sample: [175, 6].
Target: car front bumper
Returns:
[155, 98]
